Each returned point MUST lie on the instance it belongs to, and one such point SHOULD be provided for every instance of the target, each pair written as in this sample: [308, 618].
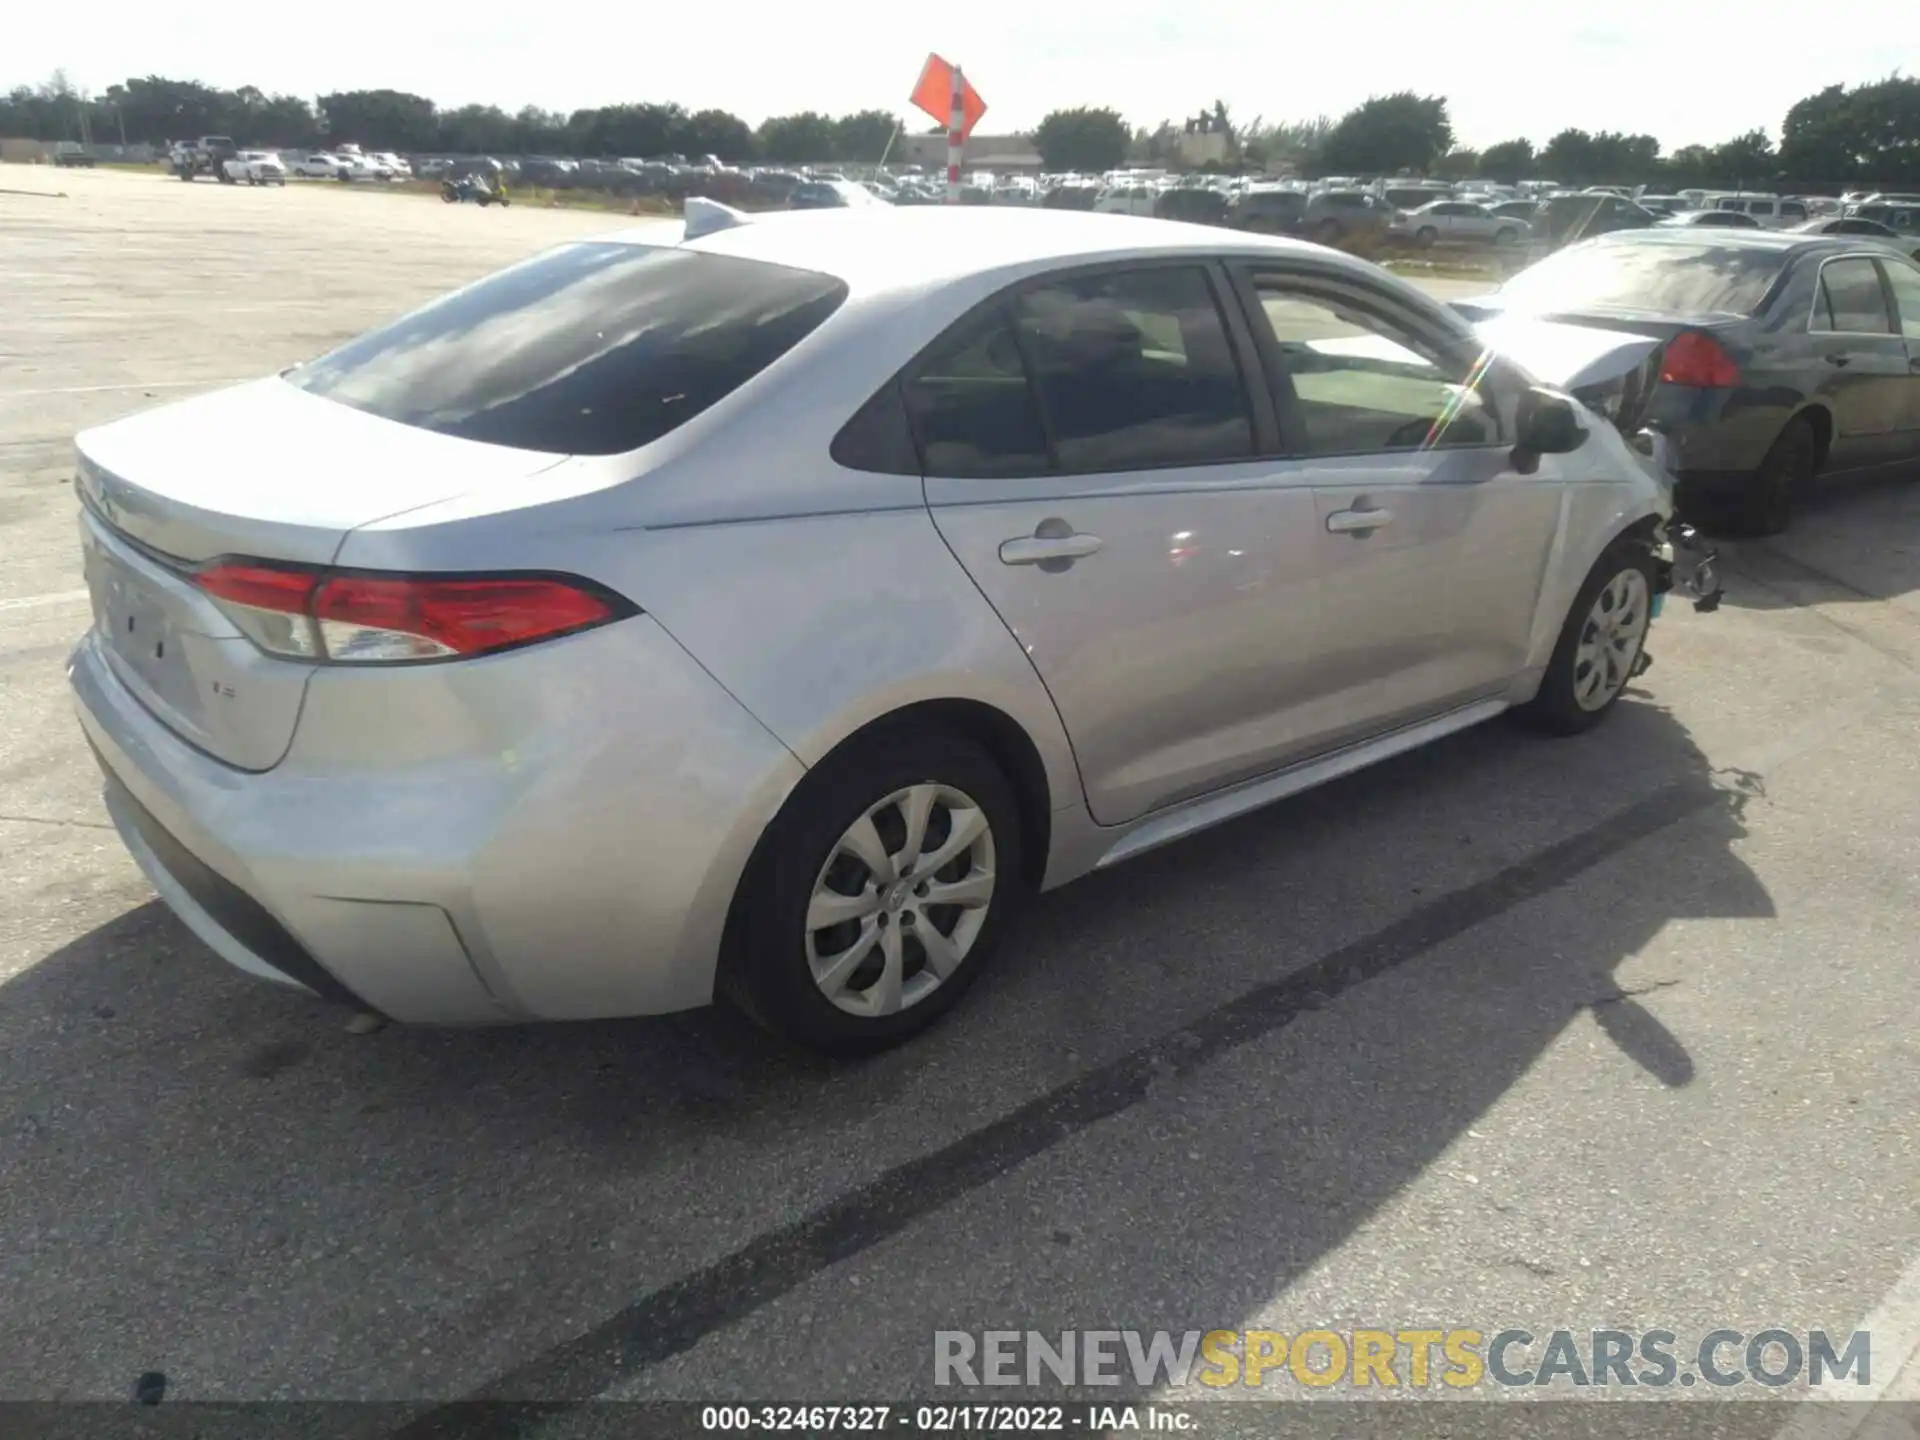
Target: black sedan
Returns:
[1784, 357]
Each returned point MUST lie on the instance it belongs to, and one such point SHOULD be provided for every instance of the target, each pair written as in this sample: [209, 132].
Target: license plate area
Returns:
[134, 620]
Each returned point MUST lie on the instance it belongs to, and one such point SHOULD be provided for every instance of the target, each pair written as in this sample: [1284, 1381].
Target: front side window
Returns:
[1134, 370]
[1851, 300]
[1361, 386]
[590, 349]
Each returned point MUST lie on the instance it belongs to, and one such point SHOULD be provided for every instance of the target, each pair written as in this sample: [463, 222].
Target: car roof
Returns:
[1735, 236]
[918, 247]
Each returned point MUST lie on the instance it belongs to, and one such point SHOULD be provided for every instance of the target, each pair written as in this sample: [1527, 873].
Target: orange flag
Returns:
[934, 94]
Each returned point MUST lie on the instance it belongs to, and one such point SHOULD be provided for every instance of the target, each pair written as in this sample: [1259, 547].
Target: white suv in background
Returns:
[1770, 211]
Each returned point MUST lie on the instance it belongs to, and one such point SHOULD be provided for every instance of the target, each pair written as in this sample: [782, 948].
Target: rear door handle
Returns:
[1358, 522]
[1038, 549]
[1839, 359]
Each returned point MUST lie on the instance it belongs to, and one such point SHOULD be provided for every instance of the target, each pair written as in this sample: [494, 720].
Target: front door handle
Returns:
[1839, 360]
[1040, 549]
[1358, 522]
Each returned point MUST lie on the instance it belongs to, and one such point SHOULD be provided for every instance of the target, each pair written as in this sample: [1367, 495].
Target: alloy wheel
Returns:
[1611, 638]
[901, 900]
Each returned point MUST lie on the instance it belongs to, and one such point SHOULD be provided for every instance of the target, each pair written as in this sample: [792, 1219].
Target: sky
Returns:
[1686, 71]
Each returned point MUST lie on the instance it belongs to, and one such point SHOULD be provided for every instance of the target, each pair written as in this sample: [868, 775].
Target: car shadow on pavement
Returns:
[213, 1175]
[1852, 541]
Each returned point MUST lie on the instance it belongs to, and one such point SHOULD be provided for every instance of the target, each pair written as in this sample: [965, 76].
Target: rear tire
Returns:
[1766, 505]
[1599, 645]
[867, 981]
[1425, 236]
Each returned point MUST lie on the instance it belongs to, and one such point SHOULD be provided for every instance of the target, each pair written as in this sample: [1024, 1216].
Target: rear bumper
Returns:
[553, 834]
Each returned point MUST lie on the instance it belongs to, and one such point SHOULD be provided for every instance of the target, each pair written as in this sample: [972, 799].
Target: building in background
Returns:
[995, 153]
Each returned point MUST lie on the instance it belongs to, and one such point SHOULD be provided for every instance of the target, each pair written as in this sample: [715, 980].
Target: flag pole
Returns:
[956, 136]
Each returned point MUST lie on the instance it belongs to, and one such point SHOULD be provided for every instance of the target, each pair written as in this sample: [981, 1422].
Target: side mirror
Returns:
[1549, 424]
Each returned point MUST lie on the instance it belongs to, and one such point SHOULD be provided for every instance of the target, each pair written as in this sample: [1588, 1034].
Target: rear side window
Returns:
[1135, 370]
[972, 407]
[590, 349]
[1851, 300]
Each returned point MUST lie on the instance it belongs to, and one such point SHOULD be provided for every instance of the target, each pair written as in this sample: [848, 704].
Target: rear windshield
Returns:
[1685, 279]
[590, 349]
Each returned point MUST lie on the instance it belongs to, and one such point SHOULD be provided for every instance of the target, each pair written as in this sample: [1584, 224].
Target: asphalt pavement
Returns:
[1613, 1032]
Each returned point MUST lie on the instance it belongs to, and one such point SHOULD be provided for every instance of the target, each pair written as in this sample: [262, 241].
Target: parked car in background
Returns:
[257, 167]
[1663, 204]
[1786, 357]
[1191, 203]
[1332, 216]
[71, 154]
[1904, 219]
[1412, 197]
[1268, 210]
[1908, 244]
[1456, 222]
[1128, 199]
[321, 165]
[1516, 209]
[1564, 219]
[1770, 212]
[832, 195]
[1708, 219]
[1076, 196]
[396, 167]
[551, 734]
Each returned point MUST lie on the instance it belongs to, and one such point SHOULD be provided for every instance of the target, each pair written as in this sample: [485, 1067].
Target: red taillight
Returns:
[395, 618]
[259, 587]
[362, 619]
[1694, 357]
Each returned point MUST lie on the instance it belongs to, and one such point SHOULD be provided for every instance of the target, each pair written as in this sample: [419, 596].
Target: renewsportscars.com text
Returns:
[1412, 1358]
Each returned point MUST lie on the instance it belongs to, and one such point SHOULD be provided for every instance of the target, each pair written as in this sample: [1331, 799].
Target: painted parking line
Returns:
[37, 602]
[129, 385]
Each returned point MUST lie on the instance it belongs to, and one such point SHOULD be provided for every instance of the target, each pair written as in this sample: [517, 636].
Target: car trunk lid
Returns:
[262, 471]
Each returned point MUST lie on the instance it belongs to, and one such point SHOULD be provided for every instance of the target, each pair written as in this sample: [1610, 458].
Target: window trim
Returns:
[1893, 300]
[1340, 288]
[1886, 298]
[1241, 343]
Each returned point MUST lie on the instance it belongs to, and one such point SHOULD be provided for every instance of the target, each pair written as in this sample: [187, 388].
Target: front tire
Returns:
[1599, 646]
[877, 894]
[1425, 236]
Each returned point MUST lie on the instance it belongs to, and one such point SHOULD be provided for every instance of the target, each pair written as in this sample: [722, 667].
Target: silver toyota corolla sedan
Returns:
[759, 615]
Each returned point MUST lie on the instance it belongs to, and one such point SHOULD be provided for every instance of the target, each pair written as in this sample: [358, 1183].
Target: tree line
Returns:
[1843, 135]
[1867, 133]
[155, 110]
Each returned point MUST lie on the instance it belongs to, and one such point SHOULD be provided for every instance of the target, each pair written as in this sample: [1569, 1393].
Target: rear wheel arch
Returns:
[1820, 420]
[1009, 746]
[959, 737]
[1005, 742]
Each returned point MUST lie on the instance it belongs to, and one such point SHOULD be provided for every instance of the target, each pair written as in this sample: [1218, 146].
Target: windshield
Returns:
[590, 349]
[1687, 279]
